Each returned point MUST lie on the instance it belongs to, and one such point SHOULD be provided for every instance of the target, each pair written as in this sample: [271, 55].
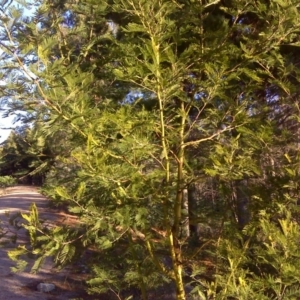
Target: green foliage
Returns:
[261, 262]
[135, 268]
[7, 181]
[26, 156]
[138, 101]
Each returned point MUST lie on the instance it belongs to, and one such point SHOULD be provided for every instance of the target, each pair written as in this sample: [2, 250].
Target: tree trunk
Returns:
[192, 206]
[185, 228]
[242, 203]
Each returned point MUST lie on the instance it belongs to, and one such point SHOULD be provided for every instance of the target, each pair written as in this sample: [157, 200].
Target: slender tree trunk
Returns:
[185, 223]
[177, 266]
[241, 200]
[175, 234]
[192, 205]
[174, 231]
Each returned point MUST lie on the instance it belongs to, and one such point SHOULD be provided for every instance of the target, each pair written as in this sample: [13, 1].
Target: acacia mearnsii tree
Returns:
[180, 119]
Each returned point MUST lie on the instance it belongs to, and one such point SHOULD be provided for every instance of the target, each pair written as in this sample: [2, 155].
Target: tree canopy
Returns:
[170, 128]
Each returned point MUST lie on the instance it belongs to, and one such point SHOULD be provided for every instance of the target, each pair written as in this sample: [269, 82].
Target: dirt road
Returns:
[22, 286]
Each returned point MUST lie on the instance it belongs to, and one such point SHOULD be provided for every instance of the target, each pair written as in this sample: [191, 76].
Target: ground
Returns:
[22, 286]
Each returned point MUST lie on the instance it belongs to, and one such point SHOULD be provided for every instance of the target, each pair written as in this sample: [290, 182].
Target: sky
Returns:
[4, 122]
[7, 122]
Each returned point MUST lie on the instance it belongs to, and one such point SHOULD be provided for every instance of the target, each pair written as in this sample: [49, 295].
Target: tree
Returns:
[160, 97]
[26, 156]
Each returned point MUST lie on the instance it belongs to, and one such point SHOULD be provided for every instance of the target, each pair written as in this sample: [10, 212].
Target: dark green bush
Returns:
[6, 181]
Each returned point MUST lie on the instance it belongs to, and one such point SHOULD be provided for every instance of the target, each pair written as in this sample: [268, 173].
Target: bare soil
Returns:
[22, 286]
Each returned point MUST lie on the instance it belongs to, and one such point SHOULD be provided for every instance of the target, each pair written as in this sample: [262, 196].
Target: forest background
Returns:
[170, 128]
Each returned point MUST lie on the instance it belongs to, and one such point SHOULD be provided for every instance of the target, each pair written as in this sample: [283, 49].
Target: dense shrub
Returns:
[6, 181]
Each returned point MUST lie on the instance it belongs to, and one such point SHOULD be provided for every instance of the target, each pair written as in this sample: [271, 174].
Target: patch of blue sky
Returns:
[9, 122]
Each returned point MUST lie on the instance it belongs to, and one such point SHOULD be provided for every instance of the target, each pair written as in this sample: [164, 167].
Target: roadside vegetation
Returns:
[7, 181]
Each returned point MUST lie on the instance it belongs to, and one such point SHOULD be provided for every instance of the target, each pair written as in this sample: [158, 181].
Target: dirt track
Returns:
[22, 286]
